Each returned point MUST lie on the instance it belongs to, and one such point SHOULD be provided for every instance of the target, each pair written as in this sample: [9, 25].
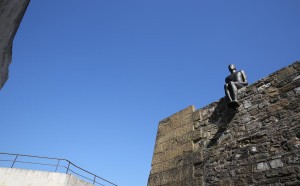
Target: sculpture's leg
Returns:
[233, 91]
[227, 92]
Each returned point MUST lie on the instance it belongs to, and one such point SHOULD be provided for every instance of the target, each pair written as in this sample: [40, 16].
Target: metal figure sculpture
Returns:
[235, 81]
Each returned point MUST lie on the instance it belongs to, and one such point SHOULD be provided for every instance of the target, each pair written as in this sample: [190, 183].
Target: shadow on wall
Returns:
[221, 117]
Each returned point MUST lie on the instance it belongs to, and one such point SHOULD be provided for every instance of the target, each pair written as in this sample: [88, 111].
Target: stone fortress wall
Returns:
[257, 145]
[11, 14]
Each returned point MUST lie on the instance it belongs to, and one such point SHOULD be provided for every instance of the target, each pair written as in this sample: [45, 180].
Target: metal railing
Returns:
[60, 165]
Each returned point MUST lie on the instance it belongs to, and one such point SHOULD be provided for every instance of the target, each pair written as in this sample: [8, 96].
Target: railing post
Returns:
[94, 180]
[14, 161]
[57, 165]
[68, 167]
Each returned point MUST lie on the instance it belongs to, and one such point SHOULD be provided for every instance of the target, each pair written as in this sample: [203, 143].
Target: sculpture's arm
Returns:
[226, 80]
[244, 78]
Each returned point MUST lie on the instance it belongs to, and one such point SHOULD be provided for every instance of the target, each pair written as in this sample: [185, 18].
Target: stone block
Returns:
[159, 167]
[158, 158]
[297, 91]
[206, 113]
[274, 108]
[247, 104]
[254, 112]
[195, 181]
[187, 138]
[272, 174]
[288, 180]
[171, 154]
[158, 148]
[168, 145]
[286, 73]
[176, 120]
[276, 163]
[284, 102]
[296, 78]
[166, 137]
[263, 87]
[173, 175]
[187, 115]
[164, 127]
[196, 115]
[226, 182]
[262, 105]
[197, 134]
[253, 126]
[180, 131]
[259, 176]
[288, 87]
[263, 166]
[245, 119]
[198, 170]
[186, 171]
[271, 181]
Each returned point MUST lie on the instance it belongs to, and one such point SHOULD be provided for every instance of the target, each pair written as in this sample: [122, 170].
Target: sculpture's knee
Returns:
[232, 84]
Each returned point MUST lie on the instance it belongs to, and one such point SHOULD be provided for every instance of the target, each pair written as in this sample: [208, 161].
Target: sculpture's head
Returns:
[231, 68]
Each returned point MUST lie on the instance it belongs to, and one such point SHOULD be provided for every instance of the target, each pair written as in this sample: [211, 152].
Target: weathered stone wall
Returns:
[11, 14]
[255, 145]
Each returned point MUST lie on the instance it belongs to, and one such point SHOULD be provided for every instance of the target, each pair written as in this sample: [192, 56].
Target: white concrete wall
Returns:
[23, 177]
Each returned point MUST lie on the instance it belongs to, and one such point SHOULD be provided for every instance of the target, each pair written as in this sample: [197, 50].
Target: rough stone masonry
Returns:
[259, 144]
[11, 14]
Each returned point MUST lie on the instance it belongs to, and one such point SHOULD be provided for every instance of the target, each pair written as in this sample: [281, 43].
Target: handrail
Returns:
[59, 160]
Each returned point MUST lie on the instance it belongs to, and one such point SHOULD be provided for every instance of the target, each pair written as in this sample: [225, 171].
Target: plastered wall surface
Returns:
[258, 144]
[23, 177]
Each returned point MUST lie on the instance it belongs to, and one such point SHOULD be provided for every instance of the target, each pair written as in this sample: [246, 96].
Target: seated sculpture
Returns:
[235, 81]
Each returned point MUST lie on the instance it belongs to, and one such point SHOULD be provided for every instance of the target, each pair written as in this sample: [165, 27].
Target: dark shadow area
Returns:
[221, 116]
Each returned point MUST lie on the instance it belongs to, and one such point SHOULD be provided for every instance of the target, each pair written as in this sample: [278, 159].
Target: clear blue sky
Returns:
[90, 80]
